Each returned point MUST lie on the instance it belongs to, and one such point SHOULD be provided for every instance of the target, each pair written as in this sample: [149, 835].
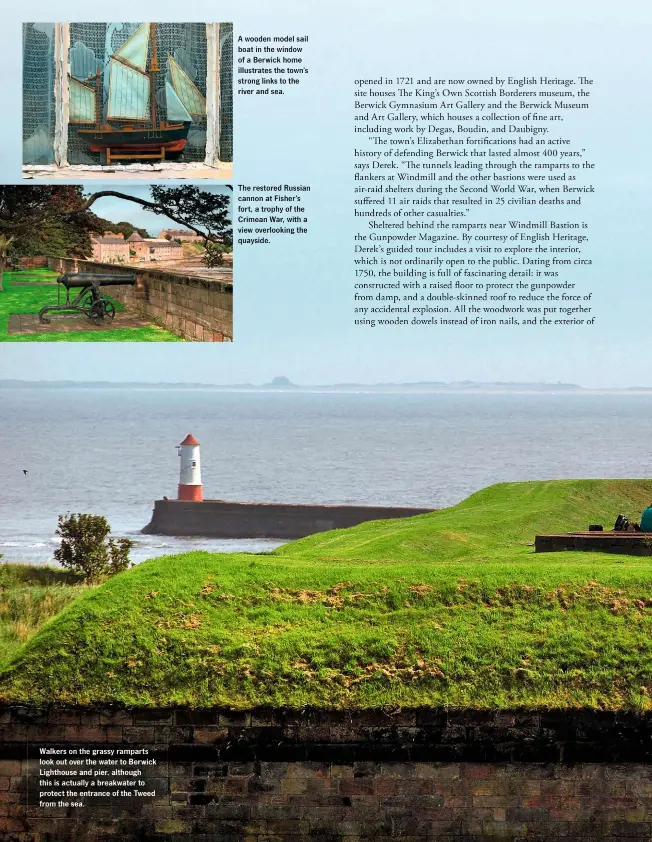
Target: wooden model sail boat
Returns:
[131, 102]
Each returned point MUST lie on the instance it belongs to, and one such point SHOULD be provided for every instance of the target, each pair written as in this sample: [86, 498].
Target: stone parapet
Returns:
[267, 775]
[198, 309]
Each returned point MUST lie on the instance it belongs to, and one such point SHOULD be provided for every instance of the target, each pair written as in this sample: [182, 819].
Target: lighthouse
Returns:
[190, 487]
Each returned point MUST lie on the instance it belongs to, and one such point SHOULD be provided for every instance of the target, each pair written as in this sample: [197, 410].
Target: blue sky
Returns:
[119, 210]
[293, 297]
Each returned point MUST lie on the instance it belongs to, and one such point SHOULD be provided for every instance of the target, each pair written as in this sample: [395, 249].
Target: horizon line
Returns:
[286, 384]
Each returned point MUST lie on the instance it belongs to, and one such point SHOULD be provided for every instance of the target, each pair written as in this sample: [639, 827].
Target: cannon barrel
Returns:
[79, 280]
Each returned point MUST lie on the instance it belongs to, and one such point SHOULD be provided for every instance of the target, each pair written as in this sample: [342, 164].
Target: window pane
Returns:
[38, 93]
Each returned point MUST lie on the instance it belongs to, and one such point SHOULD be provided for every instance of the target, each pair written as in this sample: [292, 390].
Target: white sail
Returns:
[175, 109]
[134, 49]
[191, 97]
[128, 93]
[82, 102]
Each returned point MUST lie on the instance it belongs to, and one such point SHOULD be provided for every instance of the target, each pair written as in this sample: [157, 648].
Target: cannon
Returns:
[89, 300]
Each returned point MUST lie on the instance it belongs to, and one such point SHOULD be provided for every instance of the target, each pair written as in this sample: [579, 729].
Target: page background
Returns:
[292, 300]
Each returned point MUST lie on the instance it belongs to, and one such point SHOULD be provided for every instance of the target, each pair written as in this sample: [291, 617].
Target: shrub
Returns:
[119, 555]
[87, 549]
[214, 254]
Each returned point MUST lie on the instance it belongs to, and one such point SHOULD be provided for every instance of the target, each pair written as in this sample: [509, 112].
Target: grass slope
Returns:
[31, 298]
[29, 597]
[489, 524]
[451, 608]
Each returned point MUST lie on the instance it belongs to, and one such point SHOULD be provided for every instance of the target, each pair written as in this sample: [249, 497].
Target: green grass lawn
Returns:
[451, 608]
[193, 249]
[30, 299]
[38, 275]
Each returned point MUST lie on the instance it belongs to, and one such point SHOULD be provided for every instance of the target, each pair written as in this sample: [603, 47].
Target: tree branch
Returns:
[17, 226]
[23, 226]
[144, 203]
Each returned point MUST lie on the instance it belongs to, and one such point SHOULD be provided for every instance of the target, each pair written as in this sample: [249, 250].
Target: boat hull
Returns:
[137, 140]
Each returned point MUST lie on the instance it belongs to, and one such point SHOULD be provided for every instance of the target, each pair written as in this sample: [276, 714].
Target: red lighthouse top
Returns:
[189, 439]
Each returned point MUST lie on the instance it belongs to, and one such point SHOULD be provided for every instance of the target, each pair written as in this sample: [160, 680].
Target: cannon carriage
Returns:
[89, 299]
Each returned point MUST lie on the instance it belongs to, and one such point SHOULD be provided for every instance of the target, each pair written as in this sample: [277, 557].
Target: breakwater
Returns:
[222, 519]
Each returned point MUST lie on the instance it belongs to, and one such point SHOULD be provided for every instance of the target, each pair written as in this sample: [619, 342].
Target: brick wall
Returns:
[32, 262]
[197, 309]
[273, 775]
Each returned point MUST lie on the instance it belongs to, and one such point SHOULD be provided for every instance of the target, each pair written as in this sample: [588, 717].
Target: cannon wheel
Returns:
[102, 309]
[86, 302]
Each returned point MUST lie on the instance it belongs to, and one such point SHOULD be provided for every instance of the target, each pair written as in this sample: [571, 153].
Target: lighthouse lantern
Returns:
[190, 487]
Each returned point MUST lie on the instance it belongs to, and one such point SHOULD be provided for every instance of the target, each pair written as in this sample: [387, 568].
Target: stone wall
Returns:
[222, 519]
[622, 543]
[411, 775]
[197, 309]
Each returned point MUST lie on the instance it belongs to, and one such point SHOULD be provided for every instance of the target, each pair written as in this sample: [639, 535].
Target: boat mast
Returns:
[153, 68]
[98, 100]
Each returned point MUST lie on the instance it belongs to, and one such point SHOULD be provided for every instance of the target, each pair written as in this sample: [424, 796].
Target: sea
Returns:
[112, 451]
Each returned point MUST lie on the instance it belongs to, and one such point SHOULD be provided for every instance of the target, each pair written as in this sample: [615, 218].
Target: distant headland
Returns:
[282, 383]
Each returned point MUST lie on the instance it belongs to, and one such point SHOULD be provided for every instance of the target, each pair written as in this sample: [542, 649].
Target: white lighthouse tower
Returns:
[190, 487]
